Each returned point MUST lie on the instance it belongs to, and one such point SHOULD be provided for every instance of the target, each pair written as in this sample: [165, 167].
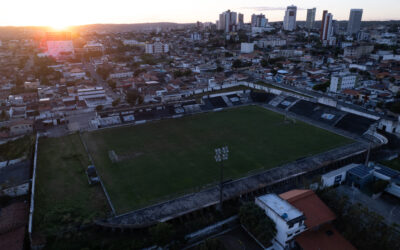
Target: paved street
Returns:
[89, 66]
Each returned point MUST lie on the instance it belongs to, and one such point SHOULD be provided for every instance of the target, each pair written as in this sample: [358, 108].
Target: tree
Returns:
[3, 116]
[264, 63]
[112, 84]
[353, 70]
[99, 108]
[19, 82]
[395, 107]
[148, 59]
[257, 222]
[357, 223]
[219, 69]
[321, 87]
[179, 73]
[162, 233]
[133, 97]
[237, 64]
[211, 244]
[103, 72]
[379, 186]
[138, 72]
[116, 102]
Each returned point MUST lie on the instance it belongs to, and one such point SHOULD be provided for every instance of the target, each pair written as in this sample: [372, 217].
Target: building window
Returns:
[338, 179]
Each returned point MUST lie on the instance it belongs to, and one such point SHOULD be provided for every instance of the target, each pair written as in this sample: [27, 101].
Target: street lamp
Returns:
[221, 155]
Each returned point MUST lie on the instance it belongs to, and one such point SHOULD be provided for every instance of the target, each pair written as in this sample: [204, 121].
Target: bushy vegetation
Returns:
[379, 186]
[180, 73]
[321, 87]
[258, 223]
[162, 233]
[211, 244]
[16, 149]
[357, 223]
[133, 97]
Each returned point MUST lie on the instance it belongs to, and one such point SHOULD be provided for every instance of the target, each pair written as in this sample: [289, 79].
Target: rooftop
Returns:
[361, 171]
[316, 212]
[340, 170]
[386, 171]
[326, 238]
[280, 206]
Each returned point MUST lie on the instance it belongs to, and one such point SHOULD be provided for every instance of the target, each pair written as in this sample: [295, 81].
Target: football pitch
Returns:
[164, 159]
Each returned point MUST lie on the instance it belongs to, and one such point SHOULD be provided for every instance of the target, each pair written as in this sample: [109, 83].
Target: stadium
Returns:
[162, 166]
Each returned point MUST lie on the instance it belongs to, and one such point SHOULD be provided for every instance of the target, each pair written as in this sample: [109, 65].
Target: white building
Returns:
[354, 23]
[288, 219]
[57, 48]
[289, 23]
[94, 46]
[195, 36]
[227, 21]
[337, 176]
[157, 48]
[121, 74]
[258, 20]
[259, 30]
[58, 44]
[93, 96]
[310, 22]
[343, 81]
[358, 51]
[271, 42]
[131, 42]
[247, 48]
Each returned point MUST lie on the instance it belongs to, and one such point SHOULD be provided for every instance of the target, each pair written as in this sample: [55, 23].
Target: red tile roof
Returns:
[13, 240]
[350, 92]
[13, 220]
[326, 238]
[13, 216]
[316, 212]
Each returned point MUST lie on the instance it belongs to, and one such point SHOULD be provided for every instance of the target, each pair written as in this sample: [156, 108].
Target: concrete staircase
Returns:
[277, 100]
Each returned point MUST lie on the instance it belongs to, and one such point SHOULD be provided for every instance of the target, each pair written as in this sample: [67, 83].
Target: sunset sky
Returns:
[60, 13]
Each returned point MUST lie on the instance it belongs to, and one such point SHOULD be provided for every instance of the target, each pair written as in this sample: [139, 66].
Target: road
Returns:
[89, 66]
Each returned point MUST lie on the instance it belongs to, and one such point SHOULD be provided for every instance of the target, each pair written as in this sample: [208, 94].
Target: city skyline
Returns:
[46, 13]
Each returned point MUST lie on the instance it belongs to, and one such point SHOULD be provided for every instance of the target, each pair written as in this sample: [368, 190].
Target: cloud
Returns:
[266, 8]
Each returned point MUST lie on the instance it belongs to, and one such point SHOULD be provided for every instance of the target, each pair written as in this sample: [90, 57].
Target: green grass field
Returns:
[63, 197]
[168, 158]
[21, 147]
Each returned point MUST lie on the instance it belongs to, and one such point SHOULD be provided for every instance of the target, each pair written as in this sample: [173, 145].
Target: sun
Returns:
[59, 26]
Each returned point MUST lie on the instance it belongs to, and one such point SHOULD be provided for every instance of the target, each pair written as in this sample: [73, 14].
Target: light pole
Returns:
[221, 155]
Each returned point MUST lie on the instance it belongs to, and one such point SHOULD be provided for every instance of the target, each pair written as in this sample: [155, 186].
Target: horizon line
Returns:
[171, 22]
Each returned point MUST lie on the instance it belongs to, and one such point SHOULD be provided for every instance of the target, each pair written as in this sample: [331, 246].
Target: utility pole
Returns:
[221, 155]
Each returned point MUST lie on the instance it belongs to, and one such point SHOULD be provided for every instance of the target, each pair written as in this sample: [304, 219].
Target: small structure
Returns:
[289, 220]
[247, 48]
[91, 173]
[387, 174]
[337, 176]
[359, 176]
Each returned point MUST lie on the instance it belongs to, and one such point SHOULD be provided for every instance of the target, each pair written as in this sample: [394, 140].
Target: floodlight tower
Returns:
[221, 155]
